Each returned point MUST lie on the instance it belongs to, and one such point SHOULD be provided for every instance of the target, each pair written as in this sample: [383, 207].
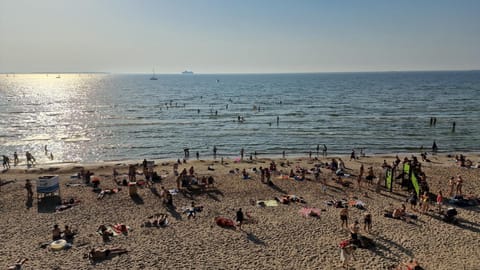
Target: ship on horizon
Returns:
[188, 72]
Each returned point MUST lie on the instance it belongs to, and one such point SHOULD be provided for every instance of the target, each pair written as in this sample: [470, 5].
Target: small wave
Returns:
[38, 137]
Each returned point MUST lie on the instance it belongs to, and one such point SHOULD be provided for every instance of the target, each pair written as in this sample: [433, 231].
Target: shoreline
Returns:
[230, 159]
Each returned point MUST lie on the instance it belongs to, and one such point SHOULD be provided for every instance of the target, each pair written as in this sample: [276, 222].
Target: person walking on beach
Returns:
[15, 159]
[345, 254]
[367, 222]
[459, 185]
[240, 218]
[451, 185]
[6, 162]
[28, 187]
[439, 201]
[242, 152]
[344, 217]
[434, 147]
[324, 151]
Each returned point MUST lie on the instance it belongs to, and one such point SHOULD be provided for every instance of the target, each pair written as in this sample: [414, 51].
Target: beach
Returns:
[277, 237]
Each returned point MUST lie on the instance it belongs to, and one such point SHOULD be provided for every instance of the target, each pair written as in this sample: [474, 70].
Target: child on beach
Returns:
[345, 254]
[439, 201]
[367, 222]
[344, 217]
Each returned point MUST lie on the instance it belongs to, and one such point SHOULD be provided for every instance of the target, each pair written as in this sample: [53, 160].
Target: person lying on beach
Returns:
[101, 254]
[66, 204]
[18, 264]
[157, 220]
[192, 210]
[410, 265]
[225, 222]
[107, 191]
[286, 199]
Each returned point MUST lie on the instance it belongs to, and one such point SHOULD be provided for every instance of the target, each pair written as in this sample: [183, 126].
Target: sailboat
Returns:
[153, 78]
[58, 76]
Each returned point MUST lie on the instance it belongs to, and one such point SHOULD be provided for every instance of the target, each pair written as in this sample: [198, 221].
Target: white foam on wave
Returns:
[37, 137]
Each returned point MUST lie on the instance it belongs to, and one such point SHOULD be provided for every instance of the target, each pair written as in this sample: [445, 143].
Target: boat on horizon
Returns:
[187, 72]
[58, 76]
[153, 78]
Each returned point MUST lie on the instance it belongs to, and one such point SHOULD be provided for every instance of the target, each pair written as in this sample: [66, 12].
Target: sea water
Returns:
[104, 117]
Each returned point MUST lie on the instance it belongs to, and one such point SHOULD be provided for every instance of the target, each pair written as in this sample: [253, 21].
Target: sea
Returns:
[114, 117]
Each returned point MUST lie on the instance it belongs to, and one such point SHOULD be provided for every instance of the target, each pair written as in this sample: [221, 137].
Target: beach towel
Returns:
[309, 212]
[270, 203]
[121, 228]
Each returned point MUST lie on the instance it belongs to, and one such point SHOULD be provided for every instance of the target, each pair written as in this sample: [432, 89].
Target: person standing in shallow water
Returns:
[453, 127]
[324, 152]
[214, 152]
[434, 147]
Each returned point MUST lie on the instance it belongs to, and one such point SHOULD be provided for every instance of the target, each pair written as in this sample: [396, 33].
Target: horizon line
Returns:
[237, 73]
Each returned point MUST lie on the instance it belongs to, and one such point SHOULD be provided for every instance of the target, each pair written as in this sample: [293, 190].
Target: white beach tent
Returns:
[48, 185]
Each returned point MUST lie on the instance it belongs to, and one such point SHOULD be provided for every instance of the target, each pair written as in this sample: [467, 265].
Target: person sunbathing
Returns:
[157, 220]
[411, 265]
[286, 199]
[101, 254]
[18, 264]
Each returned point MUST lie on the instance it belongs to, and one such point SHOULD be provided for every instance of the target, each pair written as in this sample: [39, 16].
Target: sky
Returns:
[238, 36]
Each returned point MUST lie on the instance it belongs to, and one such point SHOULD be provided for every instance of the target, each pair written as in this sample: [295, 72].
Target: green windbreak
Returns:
[415, 184]
[388, 180]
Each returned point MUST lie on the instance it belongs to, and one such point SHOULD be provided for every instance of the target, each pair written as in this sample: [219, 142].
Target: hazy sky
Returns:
[242, 36]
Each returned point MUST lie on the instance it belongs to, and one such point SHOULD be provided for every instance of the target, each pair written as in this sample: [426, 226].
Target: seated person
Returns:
[210, 180]
[245, 174]
[105, 233]
[99, 254]
[68, 234]
[56, 233]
